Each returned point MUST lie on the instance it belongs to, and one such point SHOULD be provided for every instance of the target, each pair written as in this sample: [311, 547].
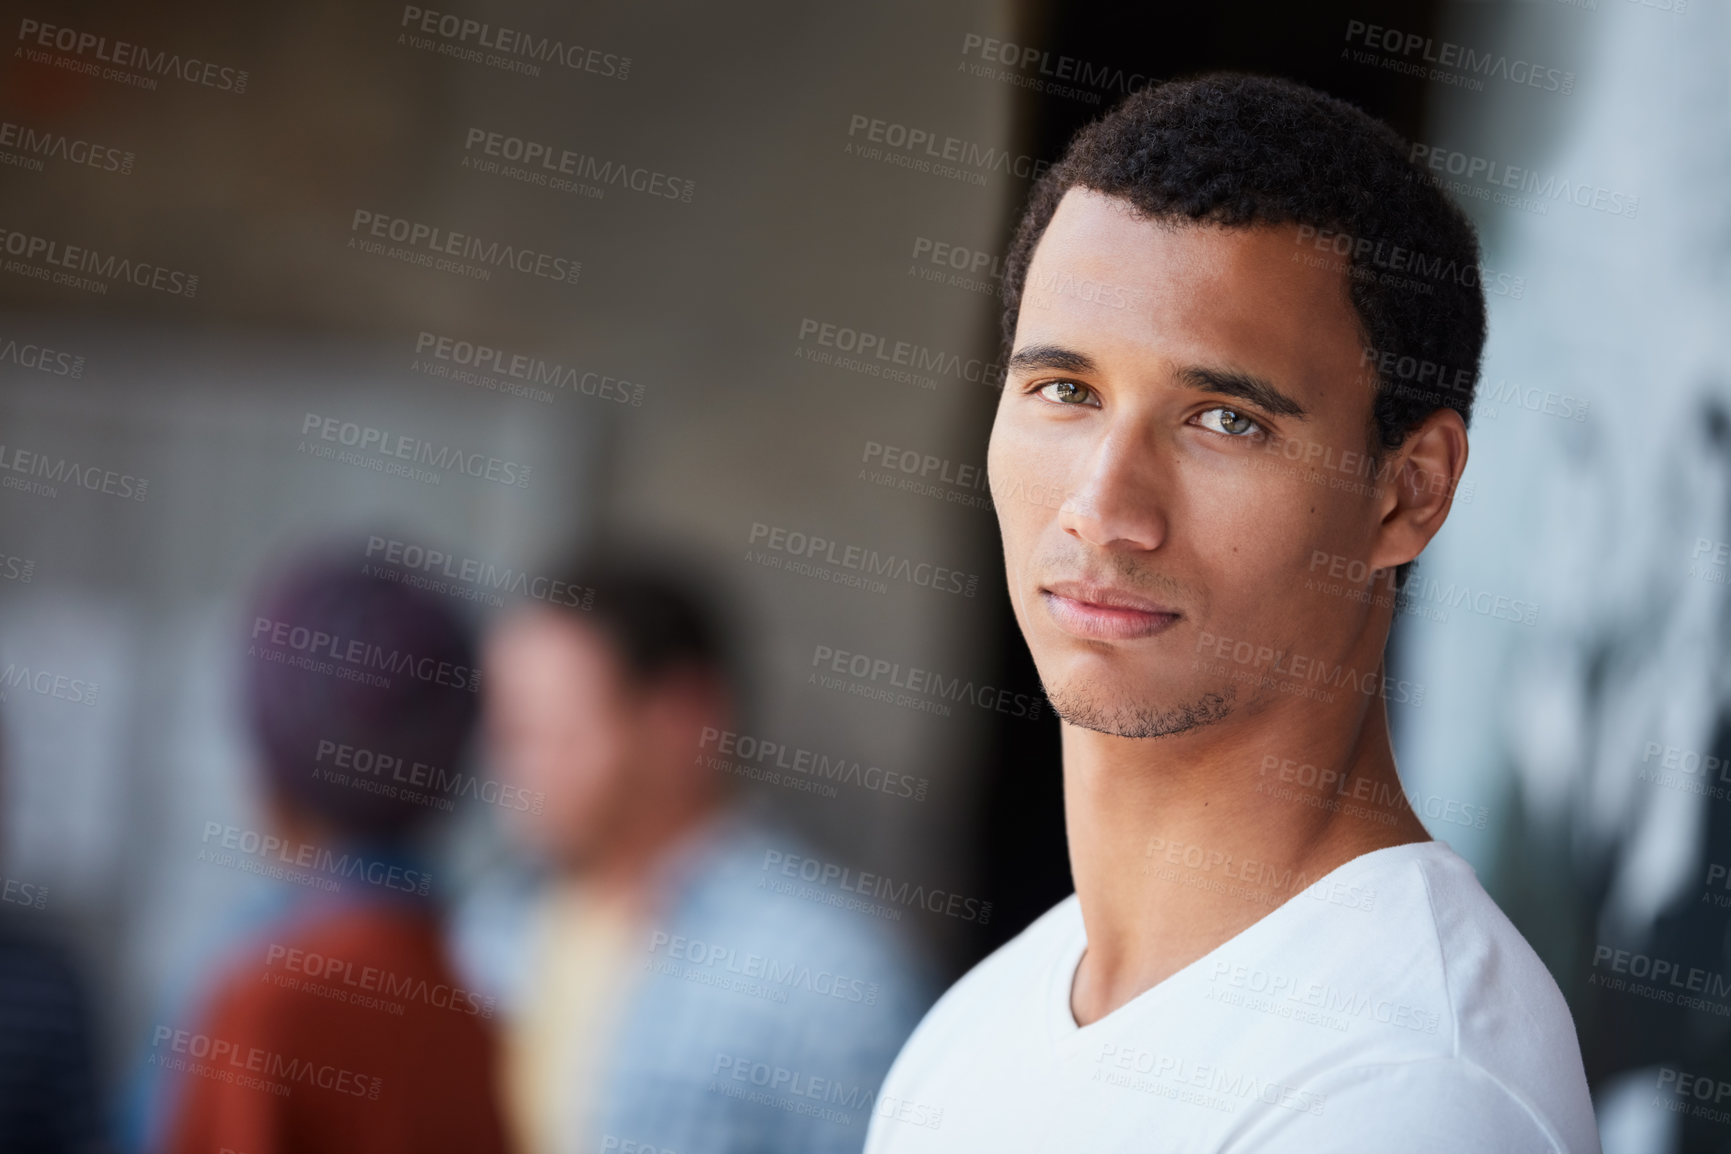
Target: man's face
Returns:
[563, 723]
[1162, 382]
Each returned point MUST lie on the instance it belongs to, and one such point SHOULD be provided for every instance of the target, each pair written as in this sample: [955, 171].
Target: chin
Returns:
[1109, 711]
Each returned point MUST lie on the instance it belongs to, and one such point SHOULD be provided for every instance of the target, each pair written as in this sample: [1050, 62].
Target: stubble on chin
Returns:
[1085, 709]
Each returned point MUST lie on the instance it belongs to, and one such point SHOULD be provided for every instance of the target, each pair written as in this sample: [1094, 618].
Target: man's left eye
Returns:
[1229, 422]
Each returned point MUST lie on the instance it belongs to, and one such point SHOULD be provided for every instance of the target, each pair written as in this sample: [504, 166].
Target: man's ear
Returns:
[1418, 483]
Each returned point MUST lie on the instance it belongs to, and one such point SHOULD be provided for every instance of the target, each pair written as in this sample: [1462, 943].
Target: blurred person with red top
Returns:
[339, 1026]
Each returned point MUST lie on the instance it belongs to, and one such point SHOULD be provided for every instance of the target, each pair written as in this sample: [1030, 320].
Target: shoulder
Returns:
[39, 966]
[274, 979]
[1000, 991]
[1444, 1105]
[1009, 968]
[1507, 1046]
[343, 939]
[1396, 991]
[750, 891]
[1506, 1007]
[1420, 923]
[759, 968]
[43, 1003]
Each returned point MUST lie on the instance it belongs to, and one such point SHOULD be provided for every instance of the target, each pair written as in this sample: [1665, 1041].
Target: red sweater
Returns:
[346, 1034]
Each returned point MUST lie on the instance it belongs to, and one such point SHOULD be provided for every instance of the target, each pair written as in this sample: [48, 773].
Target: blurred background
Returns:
[296, 243]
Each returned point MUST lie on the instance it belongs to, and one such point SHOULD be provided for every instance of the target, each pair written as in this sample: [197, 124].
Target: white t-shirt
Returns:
[1389, 1007]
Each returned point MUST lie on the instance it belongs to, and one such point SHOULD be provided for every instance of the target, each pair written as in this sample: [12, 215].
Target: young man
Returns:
[1244, 334]
[657, 994]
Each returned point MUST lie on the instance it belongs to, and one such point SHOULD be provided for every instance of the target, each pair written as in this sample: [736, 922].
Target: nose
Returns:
[1119, 502]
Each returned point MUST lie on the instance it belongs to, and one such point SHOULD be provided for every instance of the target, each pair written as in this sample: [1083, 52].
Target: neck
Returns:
[1179, 843]
[624, 870]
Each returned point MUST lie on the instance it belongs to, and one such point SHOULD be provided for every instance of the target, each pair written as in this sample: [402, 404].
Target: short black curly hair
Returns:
[1237, 150]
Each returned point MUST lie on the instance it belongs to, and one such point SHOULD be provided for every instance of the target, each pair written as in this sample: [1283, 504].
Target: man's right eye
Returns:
[1065, 392]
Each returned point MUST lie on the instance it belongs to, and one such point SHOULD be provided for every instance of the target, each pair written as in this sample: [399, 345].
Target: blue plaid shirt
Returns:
[762, 1021]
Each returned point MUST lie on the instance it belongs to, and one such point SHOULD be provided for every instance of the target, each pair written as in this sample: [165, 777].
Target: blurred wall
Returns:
[691, 402]
[1601, 463]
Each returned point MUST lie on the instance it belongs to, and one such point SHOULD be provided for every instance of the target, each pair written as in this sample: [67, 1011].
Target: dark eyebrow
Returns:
[1052, 357]
[1228, 382]
[1244, 386]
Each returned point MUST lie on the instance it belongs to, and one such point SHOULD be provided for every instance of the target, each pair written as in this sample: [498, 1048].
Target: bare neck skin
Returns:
[622, 873]
[1132, 804]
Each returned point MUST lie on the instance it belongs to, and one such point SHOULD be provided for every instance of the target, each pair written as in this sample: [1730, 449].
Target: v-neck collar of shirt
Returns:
[1068, 1036]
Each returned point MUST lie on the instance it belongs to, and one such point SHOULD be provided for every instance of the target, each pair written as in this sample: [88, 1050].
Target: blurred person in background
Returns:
[649, 975]
[48, 1095]
[337, 1024]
